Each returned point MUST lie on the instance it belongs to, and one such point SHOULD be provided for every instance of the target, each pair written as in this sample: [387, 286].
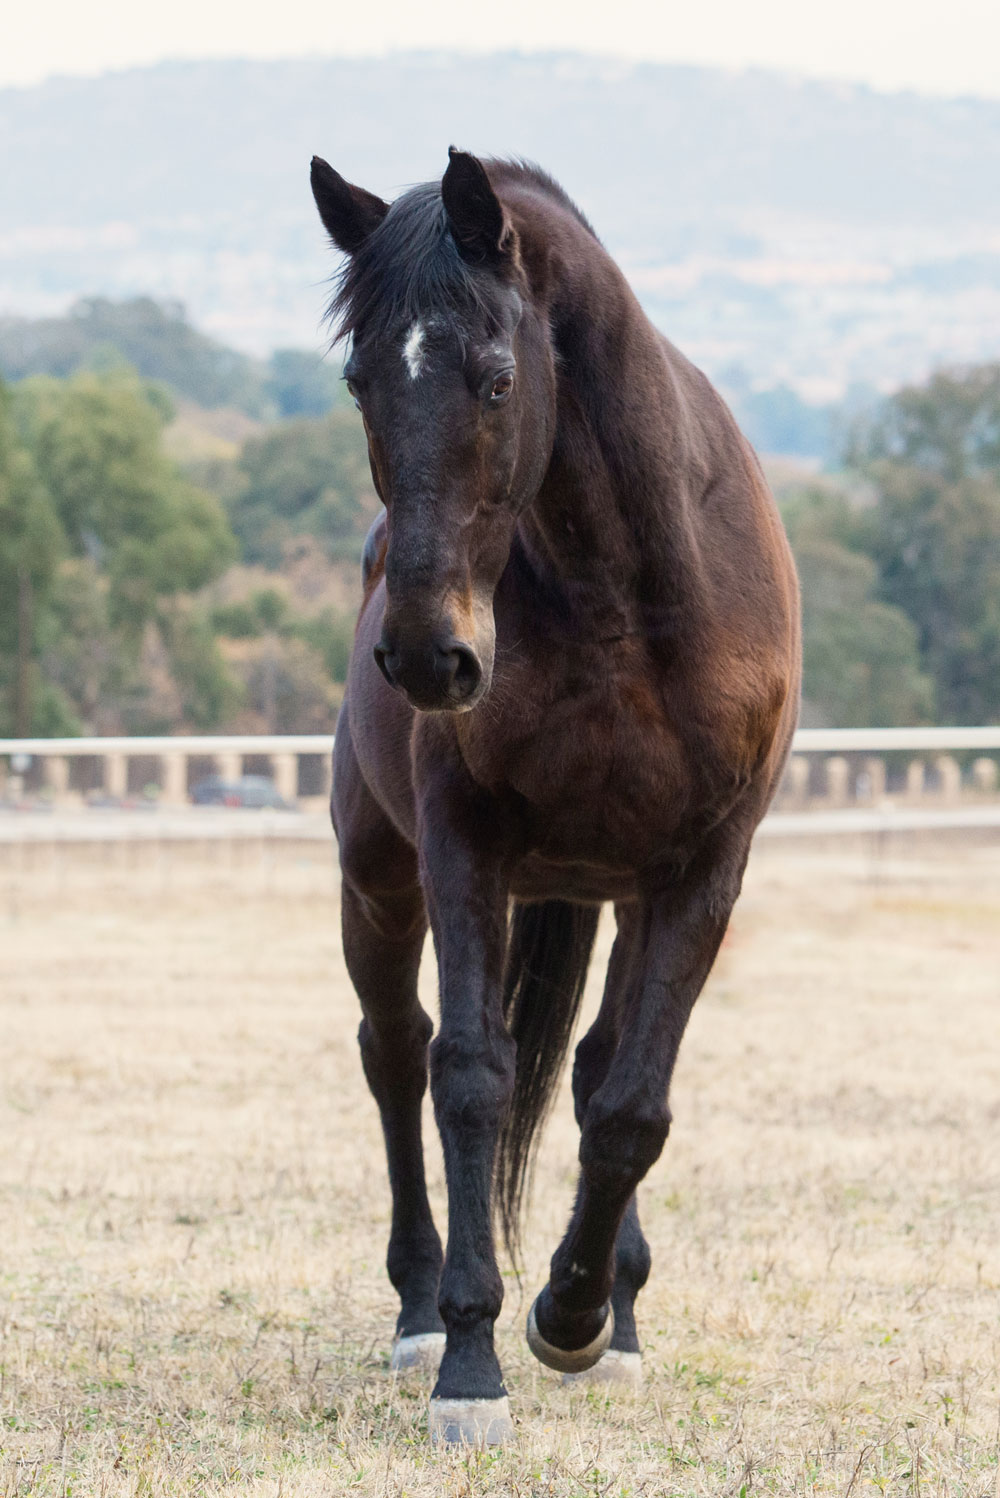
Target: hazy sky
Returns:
[939, 46]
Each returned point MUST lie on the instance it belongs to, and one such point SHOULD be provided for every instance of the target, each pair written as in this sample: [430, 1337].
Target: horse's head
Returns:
[452, 369]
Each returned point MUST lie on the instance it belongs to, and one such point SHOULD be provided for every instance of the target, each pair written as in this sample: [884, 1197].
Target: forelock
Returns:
[407, 268]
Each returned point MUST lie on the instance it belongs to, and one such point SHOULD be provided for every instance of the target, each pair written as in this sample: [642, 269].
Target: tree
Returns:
[861, 664]
[304, 478]
[208, 691]
[31, 542]
[949, 427]
[287, 688]
[933, 458]
[937, 548]
[102, 544]
[300, 383]
[97, 444]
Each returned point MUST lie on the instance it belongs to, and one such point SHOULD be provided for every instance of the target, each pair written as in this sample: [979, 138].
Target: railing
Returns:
[873, 767]
[829, 768]
[165, 765]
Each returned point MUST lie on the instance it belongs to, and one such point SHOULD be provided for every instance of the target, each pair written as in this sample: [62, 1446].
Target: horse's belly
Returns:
[542, 878]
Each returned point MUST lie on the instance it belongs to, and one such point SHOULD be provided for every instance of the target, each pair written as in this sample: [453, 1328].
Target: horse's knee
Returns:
[471, 1085]
[619, 1143]
[394, 1058]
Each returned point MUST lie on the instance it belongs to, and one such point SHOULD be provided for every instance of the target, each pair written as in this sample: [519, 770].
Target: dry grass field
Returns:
[194, 1204]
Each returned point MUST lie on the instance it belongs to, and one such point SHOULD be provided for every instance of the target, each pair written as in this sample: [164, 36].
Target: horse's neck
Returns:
[612, 525]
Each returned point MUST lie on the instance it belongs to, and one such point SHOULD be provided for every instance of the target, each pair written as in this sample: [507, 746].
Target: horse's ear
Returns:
[475, 214]
[348, 213]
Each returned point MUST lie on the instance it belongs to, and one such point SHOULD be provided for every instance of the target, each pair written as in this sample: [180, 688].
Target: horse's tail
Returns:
[548, 953]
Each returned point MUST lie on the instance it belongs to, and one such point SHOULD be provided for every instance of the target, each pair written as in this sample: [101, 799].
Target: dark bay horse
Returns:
[575, 680]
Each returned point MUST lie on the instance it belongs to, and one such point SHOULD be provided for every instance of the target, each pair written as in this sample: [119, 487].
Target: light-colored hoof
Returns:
[470, 1422]
[569, 1362]
[424, 1350]
[622, 1368]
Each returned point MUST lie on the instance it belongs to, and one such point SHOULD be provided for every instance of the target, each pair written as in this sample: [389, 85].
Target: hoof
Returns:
[622, 1368]
[562, 1360]
[423, 1350]
[470, 1422]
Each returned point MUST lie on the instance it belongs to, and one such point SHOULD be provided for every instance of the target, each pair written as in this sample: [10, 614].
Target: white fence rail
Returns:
[807, 741]
[866, 768]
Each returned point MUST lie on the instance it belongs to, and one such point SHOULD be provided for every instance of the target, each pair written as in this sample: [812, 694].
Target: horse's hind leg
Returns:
[623, 1359]
[384, 923]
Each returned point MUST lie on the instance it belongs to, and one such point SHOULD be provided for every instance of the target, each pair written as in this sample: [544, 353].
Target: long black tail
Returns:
[548, 953]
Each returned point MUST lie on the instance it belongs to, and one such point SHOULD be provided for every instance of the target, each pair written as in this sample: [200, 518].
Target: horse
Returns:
[574, 681]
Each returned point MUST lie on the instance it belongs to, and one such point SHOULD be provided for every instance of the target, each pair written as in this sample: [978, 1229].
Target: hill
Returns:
[807, 233]
[159, 343]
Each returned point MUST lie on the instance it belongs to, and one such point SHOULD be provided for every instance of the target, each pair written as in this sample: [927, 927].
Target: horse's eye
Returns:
[501, 388]
[353, 394]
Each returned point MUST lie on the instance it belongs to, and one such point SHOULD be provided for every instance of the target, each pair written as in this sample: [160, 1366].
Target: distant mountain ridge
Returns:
[809, 232]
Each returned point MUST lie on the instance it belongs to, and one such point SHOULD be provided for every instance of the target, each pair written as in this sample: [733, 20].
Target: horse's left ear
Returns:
[475, 213]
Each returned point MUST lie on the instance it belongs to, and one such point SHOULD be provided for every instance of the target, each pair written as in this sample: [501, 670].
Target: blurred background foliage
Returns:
[180, 530]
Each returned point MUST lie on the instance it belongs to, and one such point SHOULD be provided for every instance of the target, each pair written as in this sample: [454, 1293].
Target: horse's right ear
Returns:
[349, 213]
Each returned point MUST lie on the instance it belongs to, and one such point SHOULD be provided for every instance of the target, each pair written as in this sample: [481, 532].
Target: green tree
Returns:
[80, 653]
[304, 478]
[97, 444]
[937, 548]
[949, 426]
[287, 688]
[861, 665]
[933, 458]
[300, 383]
[209, 692]
[31, 543]
[103, 542]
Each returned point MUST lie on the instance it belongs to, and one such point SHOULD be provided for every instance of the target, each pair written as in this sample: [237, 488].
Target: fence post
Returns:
[875, 770]
[915, 779]
[57, 776]
[837, 779]
[116, 774]
[984, 776]
[229, 765]
[285, 769]
[798, 780]
[951, 777]
[173, 768]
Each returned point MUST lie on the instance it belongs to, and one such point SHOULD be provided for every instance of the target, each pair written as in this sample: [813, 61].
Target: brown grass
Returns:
[195, 1207]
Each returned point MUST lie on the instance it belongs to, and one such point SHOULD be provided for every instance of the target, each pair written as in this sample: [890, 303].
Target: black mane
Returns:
[410, 265]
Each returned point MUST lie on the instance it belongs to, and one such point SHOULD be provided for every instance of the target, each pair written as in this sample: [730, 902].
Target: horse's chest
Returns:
[605, 774]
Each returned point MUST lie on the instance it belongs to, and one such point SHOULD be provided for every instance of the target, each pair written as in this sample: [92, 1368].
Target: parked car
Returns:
[248, 791]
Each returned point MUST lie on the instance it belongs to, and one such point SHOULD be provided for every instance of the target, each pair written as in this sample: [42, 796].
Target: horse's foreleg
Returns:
[627, 1117]
[384, 924]
[472, 1076]
[382, 945]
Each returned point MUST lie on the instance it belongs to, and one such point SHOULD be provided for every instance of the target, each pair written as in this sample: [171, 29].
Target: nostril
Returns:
[464, 672]
[382, 662]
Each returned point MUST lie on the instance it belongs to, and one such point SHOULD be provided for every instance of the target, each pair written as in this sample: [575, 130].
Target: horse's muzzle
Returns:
[436, 677]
